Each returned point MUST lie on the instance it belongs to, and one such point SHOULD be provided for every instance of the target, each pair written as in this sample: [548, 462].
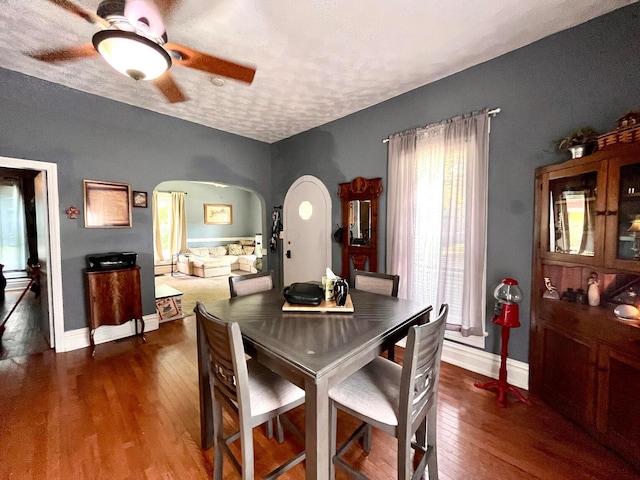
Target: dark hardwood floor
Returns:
[132, 412]
[22, 334]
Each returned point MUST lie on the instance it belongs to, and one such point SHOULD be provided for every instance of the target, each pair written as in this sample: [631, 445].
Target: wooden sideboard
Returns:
[113, 298]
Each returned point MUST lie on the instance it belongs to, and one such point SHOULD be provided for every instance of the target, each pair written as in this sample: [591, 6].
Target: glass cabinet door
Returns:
[574, 213]
[623, 213]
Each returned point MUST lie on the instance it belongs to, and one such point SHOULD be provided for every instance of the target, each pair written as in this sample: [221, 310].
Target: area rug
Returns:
[196, 288]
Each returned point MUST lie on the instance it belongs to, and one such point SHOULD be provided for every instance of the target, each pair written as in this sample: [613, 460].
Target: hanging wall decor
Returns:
[107, 204]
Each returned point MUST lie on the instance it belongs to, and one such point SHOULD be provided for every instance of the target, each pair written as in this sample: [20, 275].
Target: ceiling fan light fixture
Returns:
[131, 54]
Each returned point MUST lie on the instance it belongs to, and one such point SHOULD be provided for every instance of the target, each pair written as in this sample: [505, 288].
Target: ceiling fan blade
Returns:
[64, 54]
[169, 88]
[207, 63]
[81, 12]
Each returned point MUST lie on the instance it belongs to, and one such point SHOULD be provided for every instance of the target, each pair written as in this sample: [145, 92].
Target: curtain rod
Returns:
[492, 113]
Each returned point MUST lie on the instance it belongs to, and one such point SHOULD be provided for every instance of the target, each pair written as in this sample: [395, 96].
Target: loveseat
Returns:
[217, 261]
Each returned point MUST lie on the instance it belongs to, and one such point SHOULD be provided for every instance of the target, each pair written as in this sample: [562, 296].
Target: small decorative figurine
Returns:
[551, 291]
[593, 291]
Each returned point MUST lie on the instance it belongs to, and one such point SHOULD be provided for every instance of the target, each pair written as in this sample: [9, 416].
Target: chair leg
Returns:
[366, 438]
[405, 467]
[333, 427]
[432, 442]
[279, 430]
[246, 447]
[391, 353]
[218, 440]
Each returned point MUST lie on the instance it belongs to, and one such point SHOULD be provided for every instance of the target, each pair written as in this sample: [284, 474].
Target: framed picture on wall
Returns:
[107, 204]
[217, 214]
[140, 199]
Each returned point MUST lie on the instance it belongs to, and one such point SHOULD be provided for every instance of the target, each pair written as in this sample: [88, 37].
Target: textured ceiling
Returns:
[316, 60]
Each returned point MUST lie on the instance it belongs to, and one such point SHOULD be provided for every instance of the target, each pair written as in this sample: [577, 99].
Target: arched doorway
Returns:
[247, 218]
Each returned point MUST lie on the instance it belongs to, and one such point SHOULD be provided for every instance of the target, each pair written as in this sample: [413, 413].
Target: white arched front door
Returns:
[306, 221]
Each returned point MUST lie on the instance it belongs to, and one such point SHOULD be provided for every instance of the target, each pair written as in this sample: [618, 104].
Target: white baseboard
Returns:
[472, 359]
[76, 339]
[485, 363]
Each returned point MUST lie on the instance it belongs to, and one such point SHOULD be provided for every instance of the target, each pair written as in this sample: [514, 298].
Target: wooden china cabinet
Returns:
[584, 360]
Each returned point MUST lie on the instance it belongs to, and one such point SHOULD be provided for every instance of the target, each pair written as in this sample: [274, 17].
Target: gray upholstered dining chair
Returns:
[382, 284]
[240, 285]
[248, 391]
[399, 400]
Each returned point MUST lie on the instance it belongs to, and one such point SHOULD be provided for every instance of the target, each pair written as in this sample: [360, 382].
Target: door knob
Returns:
[288, 254]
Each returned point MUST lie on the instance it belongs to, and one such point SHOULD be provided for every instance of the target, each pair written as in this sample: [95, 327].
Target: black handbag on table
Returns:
[304, 294]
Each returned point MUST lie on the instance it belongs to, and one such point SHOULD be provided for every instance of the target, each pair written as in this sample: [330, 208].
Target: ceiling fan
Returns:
[133, 41]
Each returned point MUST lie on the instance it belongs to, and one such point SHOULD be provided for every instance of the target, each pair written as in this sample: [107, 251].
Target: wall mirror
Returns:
[360, 222]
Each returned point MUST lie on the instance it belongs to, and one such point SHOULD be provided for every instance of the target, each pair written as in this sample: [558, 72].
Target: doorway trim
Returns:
[53, 254]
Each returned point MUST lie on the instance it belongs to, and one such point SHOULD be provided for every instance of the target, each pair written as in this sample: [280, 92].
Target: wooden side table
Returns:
[113, 298]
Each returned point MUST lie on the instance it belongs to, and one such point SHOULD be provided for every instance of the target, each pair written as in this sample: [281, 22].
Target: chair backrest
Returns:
[241, 285]
[421, 370]
[380, 283]
[227, 364]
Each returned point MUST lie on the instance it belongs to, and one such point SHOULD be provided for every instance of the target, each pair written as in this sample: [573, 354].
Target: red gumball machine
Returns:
[506, 314]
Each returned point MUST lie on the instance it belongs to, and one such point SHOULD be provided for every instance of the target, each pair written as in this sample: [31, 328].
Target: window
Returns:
[163, 226]
[437, 219]
[13, 242]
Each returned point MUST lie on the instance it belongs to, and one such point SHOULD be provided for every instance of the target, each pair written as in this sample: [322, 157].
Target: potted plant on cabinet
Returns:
[579, 143]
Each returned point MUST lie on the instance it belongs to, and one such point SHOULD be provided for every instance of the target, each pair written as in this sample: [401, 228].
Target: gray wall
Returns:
[98, 139]
[588, 75]
[247, 210]
[584, 76]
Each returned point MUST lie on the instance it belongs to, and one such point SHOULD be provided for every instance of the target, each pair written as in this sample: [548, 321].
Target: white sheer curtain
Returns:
[437, 217]
[13, 241]
[170, 224]
[178, 234]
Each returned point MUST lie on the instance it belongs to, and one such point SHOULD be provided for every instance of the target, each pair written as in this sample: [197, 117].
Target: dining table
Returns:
[314, 350]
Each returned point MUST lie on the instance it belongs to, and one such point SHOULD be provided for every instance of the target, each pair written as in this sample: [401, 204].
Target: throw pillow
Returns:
[247, 243]
[200, 251]
[235, 249]
[217, 251]
[246, 250]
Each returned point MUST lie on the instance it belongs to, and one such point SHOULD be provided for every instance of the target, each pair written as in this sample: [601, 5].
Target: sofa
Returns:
[217, 261]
